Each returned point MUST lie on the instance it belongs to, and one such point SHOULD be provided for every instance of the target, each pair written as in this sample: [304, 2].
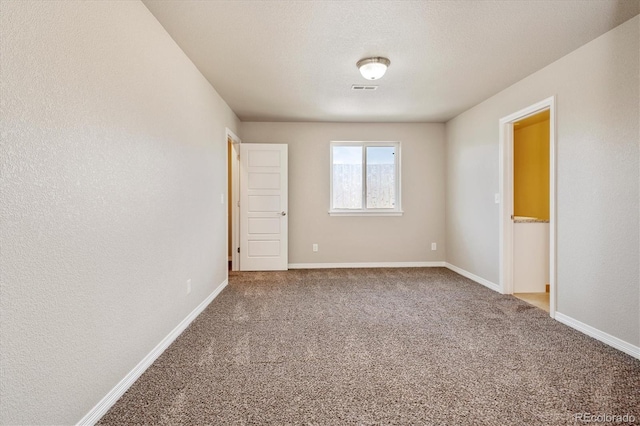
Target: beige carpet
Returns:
[377, 346]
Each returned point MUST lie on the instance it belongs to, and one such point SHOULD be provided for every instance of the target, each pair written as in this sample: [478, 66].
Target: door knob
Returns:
[283, 213]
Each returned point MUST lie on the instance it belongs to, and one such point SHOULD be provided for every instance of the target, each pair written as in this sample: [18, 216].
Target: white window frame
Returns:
[395, 211]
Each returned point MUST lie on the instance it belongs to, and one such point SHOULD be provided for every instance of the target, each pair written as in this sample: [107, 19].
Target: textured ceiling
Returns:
[295, 60]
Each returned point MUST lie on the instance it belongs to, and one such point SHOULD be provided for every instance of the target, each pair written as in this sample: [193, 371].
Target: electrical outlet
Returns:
[189, 286]
[496, 198]
[315, 247]
[433, 246]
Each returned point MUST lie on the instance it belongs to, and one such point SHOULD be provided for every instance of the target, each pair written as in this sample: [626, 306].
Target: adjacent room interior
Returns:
[531, 209]
[319, 212]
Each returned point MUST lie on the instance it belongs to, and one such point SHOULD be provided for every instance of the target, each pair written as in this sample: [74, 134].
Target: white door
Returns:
[263, 207]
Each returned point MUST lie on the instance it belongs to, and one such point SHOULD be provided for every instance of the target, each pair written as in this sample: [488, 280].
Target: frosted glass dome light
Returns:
[373, 68]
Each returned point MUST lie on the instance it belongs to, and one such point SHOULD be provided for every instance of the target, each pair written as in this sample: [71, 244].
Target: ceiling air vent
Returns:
[363, 87]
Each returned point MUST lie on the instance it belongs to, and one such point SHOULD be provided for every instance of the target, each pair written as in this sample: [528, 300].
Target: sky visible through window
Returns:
[353, 155]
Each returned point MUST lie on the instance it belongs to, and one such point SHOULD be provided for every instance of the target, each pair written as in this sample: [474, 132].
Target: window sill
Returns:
[365, 213]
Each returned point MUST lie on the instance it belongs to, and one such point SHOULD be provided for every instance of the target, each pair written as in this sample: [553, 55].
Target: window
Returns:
[365, 178]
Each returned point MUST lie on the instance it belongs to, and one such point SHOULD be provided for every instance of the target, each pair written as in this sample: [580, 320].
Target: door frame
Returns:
[234, 199]
[506, 197]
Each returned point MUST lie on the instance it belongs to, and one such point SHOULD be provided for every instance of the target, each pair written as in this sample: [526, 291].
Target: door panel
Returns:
[264, 180]
[264, 158]
[264, 248]
[264, 203]
[263, 207]
[264, 226]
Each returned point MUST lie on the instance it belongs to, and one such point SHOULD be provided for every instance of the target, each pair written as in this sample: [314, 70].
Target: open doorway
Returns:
[527, 223]
[233, 195]
[531, 209]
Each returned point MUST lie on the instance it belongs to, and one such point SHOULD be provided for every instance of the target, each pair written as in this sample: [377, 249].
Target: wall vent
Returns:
[363, 87]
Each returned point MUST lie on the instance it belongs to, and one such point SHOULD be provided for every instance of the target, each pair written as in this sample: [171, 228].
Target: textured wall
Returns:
[113, 160]
[597, 92]
[360, 239]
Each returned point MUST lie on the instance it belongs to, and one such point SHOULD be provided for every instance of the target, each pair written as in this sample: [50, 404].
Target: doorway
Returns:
[233, 197]
[527, 215]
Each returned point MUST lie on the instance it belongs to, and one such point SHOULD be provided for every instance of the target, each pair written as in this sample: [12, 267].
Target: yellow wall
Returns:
[531, 169]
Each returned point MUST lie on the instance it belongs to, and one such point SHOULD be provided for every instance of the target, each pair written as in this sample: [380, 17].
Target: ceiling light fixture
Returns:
[373, 68]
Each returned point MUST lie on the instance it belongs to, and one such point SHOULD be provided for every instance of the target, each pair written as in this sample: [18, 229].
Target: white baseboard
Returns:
[493, 286]
[606, 338]
[366, 265]
[114, 394]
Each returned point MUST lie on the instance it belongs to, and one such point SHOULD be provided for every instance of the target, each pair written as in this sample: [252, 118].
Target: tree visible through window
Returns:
[365, 177]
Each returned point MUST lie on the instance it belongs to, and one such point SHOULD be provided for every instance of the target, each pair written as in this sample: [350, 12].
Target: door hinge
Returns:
[238, 203]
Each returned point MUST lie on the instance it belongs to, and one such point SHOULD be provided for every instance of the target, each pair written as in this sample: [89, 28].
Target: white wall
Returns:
[597, 95]
[113, 160]
[360, 239]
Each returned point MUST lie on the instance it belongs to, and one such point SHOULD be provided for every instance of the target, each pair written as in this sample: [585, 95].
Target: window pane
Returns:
[381, 177]
[347, 177]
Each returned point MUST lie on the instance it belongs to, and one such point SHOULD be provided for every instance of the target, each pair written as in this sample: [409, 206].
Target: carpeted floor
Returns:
[377, 346]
